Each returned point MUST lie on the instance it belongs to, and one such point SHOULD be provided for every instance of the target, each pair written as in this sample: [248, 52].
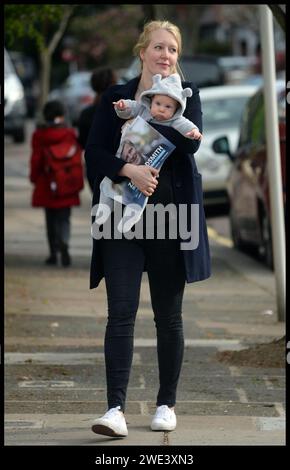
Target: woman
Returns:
[123, 261]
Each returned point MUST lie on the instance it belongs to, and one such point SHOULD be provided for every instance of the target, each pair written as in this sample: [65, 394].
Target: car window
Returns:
[223, 112]
[248, 115]
[253, 126]
[257, 129]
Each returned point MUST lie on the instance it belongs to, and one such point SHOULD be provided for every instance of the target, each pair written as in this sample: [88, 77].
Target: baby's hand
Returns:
[120, 105]
[194, 134]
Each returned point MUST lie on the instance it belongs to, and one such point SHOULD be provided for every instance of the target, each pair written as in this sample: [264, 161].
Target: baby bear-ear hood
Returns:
[170, 86]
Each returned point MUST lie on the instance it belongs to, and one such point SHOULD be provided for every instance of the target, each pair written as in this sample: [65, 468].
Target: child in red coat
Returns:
[57, 206]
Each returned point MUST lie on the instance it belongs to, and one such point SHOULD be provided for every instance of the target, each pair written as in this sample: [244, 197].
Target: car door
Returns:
[246, 170]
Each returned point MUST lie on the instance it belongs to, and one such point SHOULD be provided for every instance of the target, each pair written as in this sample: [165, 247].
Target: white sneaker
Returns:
[164, 419]
[112, 424]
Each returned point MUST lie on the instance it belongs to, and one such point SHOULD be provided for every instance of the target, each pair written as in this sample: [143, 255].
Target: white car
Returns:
[14, 102]
[222, 107]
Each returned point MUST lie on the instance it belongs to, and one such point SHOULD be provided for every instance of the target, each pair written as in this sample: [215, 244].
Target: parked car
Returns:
[237, 68]
[202, 70]
[248, 182]
[75, 93]
[27, 72]
[14, 102]
[222, 108]
[255, 79]
[258, 78]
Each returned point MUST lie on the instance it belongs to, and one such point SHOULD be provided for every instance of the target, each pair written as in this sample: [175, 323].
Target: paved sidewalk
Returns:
[55, 375]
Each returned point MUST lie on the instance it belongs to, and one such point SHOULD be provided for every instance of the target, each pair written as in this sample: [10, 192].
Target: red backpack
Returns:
[64, 167]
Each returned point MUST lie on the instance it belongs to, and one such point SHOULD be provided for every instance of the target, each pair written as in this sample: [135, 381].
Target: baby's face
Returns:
[163, 107]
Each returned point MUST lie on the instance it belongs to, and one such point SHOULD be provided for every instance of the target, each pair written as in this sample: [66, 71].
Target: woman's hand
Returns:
[142, 176]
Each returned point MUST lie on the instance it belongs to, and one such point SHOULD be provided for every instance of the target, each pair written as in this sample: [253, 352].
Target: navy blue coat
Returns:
[102, 144]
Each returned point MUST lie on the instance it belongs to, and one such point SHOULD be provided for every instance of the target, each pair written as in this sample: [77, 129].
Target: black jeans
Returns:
[123, 264]
[57, 229]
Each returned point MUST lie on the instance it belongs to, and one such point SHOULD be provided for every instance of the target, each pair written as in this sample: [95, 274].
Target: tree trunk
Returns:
[46, 56]
[45, 60]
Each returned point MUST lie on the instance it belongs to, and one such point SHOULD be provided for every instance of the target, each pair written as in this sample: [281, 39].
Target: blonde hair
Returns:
[145, 38]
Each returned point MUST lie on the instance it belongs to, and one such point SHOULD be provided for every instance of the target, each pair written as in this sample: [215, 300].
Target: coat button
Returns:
[178, 184]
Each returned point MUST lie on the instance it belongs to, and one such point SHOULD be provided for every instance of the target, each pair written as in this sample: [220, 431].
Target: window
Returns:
[223, 112]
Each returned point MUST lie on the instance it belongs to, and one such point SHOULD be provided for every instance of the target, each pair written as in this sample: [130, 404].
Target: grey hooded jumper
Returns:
[169, 86]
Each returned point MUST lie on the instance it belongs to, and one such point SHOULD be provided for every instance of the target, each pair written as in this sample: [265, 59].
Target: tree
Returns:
[106, 36]
[45, 24]
[186, 17]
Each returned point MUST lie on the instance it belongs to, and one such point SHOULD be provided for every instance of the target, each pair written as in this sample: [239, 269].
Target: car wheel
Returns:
[265, 248]
[19, 135]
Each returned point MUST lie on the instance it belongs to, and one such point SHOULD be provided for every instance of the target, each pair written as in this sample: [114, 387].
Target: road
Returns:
[54, 328]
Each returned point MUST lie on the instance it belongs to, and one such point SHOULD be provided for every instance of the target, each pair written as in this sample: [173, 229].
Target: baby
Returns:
[163, 103]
